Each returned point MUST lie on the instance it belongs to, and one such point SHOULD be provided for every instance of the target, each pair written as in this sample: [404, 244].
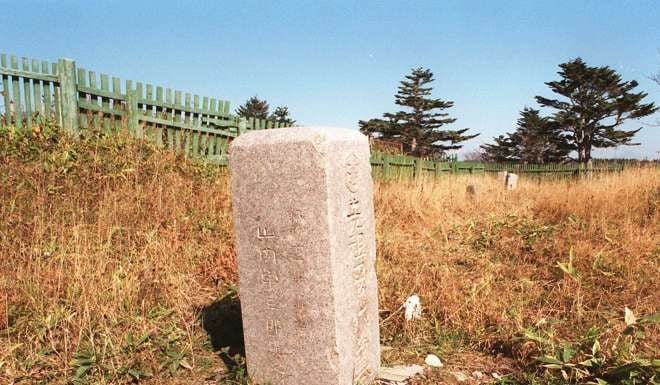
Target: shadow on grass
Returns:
[223, 323]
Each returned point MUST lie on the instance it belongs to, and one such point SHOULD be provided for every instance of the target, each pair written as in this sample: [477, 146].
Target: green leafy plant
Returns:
[585, 361]
[84, 361]
[237, 374]
[568, 267]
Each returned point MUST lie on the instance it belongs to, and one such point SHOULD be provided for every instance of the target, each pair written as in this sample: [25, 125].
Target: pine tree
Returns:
[505, 149]
[536, 139]
[540, 138]
[420, 127]
[594, 105]
[253, 108]
[281, 115]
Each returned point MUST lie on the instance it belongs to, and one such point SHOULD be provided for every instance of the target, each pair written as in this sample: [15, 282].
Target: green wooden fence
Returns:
[80, 100]
[553, 169]
[394, 167]
[389, 166]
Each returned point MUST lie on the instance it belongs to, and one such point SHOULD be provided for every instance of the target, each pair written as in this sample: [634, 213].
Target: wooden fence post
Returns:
[69, 95]
[133, 113]
[417, 173]
[242, 125]
[386, 166]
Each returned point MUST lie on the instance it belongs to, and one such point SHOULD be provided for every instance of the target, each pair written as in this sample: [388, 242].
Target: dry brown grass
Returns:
[111, 249]
[487, 268]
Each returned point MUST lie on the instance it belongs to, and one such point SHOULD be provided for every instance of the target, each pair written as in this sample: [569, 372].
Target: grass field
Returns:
[118, 267]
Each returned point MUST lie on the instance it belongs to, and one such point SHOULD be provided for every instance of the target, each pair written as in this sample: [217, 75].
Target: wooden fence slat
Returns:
[69, 109]
[196, 120]
[205, 105]
[54, 70]
[221, 146]
[150, 129]
[27, 93]
[221, 108]
[36, 88]
[94, 99]
[5, 91]
[105, 102]
[178, 135]
[16, 95]
[82, 98]
[210, 150]
[196, 110]
[212, 107]
[170, 116]
[132, 110]
[133, 118]
[187, 120]
[158, 129]
[117, 98]
[142, 109]
[49, 94]
[205, 114]
[206, 144]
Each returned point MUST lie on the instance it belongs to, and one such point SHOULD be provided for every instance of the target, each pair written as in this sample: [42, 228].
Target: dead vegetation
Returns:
[114, 251]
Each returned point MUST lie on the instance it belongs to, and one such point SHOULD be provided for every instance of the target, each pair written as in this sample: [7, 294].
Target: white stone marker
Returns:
[511, 181]
[501, 176]
[303, 215]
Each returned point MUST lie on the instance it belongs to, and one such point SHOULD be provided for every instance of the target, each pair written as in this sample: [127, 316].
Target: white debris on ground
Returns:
[478, 375]
[433, 360]
[460, 376]
[629, 316]
[403, 374]
[398, 375]
[413, 308]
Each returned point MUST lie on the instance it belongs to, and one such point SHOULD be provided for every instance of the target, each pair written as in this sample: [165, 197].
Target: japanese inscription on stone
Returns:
[303, 213]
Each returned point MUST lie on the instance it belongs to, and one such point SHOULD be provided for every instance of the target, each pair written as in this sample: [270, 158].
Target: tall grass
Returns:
[112, 248]
[521, 274]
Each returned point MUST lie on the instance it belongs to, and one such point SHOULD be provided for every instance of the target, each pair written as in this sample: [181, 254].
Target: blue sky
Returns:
[336, 62]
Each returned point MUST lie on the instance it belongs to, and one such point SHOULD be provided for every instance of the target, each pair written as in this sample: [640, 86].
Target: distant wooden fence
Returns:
[390, 166]
[393, 167]
[553, 169]
[79, 100]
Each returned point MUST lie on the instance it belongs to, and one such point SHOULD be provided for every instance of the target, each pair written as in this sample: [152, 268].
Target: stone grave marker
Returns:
[501, 176]
[511, 181]
[304, 224]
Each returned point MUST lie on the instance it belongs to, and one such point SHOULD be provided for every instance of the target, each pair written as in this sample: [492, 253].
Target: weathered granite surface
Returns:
[303, 212]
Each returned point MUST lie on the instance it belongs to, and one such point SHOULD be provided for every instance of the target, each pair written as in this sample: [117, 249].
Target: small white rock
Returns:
[477, 374]
[496, 376]
[433, 360]
[629, 316]
[460, 377]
